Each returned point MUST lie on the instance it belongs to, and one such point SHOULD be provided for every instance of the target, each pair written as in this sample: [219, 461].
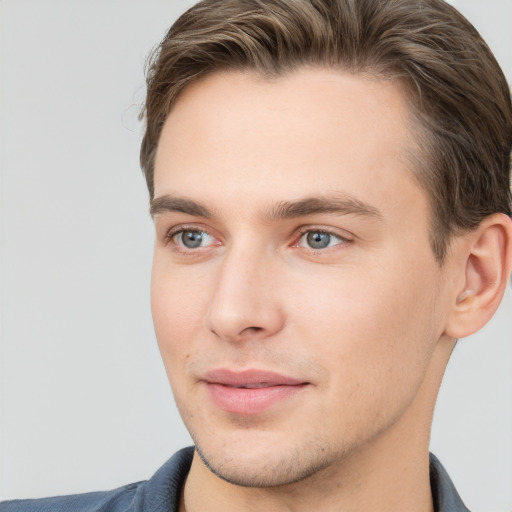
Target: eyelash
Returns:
[173, 232]
[311, 229]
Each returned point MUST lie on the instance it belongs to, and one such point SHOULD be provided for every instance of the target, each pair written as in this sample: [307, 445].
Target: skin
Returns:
[365, 321]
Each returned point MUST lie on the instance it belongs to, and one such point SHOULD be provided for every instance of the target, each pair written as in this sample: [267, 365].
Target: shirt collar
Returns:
[445, 496]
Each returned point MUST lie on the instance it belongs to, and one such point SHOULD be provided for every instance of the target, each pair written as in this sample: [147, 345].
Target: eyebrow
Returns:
[344, 205]
[168, 203]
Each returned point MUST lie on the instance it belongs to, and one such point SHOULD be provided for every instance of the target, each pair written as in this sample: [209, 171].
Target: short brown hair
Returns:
[458, 94]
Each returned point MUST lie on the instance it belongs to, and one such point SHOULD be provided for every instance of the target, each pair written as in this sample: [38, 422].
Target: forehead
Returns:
[307, 133]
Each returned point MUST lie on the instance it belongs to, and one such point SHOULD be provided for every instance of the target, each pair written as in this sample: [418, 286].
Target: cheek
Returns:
[178, 305]
[372, 330]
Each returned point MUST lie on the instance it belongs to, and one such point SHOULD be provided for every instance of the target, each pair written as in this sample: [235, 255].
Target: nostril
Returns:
[243, 333]
[252, 329]
[233, 319]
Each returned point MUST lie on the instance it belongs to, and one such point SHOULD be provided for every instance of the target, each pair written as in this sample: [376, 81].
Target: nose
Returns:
[245, 304]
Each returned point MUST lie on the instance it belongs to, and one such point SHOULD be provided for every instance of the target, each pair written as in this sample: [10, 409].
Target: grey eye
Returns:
[318, 240]
[192, 239]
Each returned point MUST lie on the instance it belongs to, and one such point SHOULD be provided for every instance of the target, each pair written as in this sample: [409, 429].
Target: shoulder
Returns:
[160, 493]
[116, 500]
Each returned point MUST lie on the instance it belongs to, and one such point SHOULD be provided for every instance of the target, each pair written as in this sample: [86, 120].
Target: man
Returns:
[330, 188]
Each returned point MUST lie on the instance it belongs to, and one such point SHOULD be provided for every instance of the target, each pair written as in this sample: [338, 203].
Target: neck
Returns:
[390, 472]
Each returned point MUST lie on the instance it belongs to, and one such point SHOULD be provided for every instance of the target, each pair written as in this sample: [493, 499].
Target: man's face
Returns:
[296, 299]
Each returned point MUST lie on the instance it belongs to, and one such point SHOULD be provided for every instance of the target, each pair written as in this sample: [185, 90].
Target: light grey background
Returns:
[84, 401]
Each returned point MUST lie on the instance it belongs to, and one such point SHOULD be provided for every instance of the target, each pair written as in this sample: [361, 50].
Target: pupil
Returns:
[318, 240]
[192, 239]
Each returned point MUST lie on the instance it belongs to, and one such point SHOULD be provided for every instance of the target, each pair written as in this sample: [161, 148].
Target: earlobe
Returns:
[487, 256]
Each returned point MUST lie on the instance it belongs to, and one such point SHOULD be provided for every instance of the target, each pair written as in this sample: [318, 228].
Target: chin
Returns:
[266, 465]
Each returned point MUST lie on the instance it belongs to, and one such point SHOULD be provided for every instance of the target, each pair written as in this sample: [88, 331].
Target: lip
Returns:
[251, 391]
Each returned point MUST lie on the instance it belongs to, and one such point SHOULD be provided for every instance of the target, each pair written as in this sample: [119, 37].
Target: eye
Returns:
[192, 239]
[319, 240]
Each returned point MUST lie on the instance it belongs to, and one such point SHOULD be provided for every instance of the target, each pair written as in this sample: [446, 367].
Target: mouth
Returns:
[250, 392]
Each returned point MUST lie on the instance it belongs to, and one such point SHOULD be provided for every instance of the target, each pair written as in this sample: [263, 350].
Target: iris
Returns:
[318, 240]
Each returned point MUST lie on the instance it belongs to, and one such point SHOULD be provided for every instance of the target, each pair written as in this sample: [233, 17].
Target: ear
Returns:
[487, 262]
